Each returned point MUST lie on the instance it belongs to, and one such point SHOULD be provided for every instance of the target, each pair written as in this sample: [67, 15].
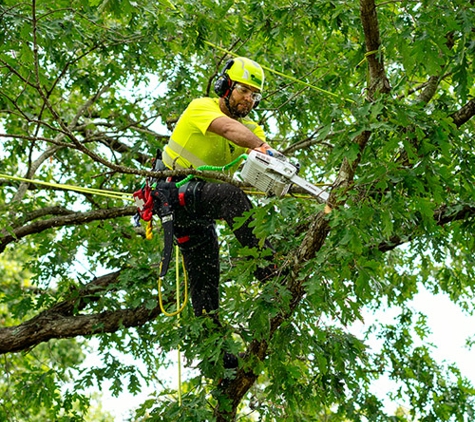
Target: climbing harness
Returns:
[161, 197]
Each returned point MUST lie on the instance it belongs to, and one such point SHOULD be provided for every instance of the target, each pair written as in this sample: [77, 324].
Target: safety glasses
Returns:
[244, 90]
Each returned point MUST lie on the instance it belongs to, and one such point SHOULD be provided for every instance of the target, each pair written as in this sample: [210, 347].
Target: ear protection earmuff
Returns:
[223, 84]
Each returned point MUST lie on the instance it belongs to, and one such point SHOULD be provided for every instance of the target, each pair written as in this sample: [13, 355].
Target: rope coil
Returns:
[179, 308]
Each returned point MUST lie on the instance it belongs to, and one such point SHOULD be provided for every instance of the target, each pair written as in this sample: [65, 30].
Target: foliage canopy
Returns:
[374, 100]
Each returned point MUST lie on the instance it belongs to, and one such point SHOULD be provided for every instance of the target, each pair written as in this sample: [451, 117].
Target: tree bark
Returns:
[9, 236]
[464, 114]
[63, 321]
[374, 55]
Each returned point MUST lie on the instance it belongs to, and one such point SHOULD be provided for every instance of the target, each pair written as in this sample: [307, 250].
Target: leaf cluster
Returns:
[373, 100]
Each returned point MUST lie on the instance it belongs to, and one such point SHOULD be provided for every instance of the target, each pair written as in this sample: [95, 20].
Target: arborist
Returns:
[214, 132]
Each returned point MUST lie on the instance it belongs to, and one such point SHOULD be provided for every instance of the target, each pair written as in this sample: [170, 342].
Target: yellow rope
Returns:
[179, 308]
[185, 299]
[92, 191]
[149, 230]
[122, 195]
[177, 269]
[287, 195]
[283, 75]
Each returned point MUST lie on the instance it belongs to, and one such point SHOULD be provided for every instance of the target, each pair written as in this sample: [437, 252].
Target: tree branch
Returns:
[464, 114]
[378, 80]
[429, 90]
[41, 212]
[7, 237]
[32, 170]
[54, 325]
[60, 321]
[444, 215]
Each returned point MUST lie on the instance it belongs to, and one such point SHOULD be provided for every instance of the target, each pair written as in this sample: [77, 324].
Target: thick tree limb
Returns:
[7, 237]
[378, 80]
[17, 338]
[50, 325]
[61, 320]
[464, 114]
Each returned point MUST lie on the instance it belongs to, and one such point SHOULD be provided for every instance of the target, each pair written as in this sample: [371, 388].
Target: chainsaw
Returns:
[274, 174]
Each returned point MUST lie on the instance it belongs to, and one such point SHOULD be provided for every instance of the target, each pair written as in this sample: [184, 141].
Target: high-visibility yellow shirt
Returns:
[191, 145]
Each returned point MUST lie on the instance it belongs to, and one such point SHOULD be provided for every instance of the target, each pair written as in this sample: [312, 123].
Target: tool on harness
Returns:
[144, 201]
[163, 208]
[275, 174]
[158, 197]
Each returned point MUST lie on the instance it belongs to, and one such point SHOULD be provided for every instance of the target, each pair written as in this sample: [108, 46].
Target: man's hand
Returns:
[264, 148]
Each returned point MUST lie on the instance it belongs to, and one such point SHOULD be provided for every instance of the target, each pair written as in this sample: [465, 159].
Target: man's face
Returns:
[242, 100]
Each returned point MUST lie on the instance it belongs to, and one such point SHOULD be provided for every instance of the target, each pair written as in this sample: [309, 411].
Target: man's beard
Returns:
[234, 110]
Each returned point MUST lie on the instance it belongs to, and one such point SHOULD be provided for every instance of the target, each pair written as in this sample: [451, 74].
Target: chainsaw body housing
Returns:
[275, 174]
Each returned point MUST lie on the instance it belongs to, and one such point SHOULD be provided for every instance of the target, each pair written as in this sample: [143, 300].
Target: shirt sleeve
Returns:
[201, 112]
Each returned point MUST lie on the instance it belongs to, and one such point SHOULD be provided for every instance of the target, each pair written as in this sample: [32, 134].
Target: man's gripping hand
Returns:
[265, 148]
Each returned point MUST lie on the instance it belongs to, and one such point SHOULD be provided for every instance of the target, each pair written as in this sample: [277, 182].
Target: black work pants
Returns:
[194, 228]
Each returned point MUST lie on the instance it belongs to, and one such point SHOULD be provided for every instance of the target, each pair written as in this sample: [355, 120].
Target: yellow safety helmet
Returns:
[240, 69]
[247, 72]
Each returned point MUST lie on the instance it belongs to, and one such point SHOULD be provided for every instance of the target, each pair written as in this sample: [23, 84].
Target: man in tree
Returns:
[214, 132]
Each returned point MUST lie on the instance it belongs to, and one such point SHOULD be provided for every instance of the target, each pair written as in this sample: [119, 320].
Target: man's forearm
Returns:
[235, 132]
